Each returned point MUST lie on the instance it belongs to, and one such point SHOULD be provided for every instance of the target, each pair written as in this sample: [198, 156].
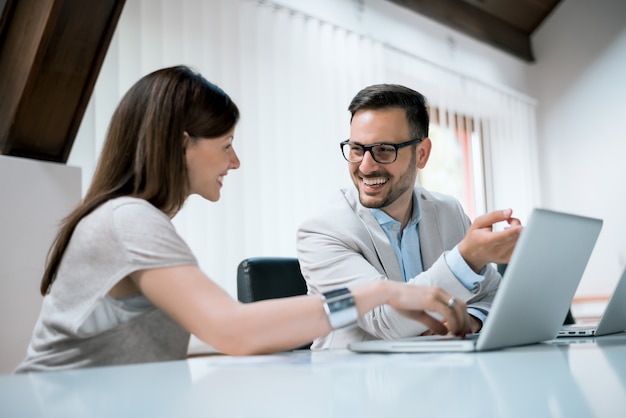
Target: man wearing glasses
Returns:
[389, 228]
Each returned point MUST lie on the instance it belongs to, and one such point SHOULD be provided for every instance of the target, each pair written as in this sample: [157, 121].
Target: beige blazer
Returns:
[345, 245]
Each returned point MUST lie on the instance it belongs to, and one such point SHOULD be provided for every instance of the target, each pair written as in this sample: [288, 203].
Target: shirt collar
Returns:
[382, 218]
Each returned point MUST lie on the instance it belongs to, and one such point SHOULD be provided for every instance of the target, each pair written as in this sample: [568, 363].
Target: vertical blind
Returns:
[292, 77]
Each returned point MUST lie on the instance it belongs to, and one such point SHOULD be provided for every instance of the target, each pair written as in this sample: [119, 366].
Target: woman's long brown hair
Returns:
[143, 154]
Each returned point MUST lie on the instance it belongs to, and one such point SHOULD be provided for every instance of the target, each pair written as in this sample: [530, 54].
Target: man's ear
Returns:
[423, 152]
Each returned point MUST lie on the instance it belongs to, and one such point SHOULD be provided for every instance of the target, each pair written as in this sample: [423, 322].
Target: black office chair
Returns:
[569, 318]
[261, 278]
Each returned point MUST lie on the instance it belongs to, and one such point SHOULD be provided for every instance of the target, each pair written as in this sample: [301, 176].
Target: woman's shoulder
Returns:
[131, 204]
[126, 215]
[140, 228]
[133, 213]
[131, 208]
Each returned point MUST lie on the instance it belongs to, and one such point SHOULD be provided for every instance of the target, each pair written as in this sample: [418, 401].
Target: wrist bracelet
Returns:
[340, 308]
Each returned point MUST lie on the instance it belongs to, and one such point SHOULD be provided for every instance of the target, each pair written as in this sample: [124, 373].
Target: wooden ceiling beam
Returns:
[51, 52]
[476, 23]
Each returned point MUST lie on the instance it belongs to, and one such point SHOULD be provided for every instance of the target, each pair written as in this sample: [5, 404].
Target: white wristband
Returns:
[340, 308]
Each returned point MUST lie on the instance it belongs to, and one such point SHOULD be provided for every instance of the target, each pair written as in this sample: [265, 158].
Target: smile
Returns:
[375, 181]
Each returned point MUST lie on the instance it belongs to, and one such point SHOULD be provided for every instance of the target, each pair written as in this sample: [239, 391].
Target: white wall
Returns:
[35, 197]
[580, 83]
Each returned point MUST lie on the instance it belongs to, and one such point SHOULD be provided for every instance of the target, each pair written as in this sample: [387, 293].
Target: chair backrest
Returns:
[260, 278]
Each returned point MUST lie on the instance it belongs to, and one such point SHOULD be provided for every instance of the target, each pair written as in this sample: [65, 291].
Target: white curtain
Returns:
[292, 77]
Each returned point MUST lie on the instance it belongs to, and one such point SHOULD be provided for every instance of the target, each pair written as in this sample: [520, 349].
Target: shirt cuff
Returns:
[461, 270]
[481, 315]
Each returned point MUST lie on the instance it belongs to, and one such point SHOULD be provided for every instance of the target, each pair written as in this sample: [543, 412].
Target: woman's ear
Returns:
[423, 152]
[185, 140]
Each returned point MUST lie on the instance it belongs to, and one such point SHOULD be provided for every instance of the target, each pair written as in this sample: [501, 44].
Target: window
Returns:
[456, 164]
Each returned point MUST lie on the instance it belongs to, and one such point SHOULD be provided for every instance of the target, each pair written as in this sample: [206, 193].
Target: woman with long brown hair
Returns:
[121, 286]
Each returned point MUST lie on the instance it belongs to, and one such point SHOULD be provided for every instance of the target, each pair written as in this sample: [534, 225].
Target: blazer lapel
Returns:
[431, 243]
[384, 252]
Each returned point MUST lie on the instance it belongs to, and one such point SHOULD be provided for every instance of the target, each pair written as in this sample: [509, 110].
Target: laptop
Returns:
[612, 321]
[535, 293]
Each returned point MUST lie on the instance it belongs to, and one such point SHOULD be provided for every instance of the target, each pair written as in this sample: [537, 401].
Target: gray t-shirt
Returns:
[119, 237]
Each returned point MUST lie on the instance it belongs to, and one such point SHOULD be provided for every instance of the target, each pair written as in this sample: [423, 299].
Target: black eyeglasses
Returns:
[381, 153]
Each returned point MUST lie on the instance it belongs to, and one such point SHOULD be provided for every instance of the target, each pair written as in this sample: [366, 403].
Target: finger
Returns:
[462, 329]
[514, 222]
[467, 325]
[453, 312]
[510, 234]
[467, 329]
[461, 323]
[488, 219]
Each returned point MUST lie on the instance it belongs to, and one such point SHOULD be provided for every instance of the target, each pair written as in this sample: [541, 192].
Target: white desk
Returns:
[579, 380]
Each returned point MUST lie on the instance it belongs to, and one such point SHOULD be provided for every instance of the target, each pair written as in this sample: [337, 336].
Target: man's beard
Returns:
[406, 182]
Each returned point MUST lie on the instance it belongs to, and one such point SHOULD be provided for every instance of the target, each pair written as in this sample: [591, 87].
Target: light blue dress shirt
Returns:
[406, 245]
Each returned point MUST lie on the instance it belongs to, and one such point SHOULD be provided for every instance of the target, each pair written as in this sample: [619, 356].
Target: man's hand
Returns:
[475, 326]
[482, 245]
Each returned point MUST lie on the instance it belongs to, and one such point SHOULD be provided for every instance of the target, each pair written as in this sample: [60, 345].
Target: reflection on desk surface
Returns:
[544, 380]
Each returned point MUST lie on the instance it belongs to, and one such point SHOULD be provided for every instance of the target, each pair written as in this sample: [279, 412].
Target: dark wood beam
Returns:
[476, 23]
[51, 52]
[5, 7]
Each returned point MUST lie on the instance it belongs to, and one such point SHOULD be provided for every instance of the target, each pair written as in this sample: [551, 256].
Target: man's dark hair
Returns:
[390, 96]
